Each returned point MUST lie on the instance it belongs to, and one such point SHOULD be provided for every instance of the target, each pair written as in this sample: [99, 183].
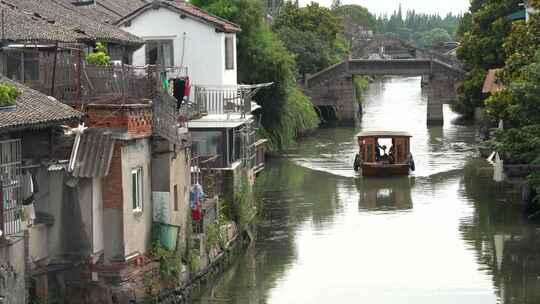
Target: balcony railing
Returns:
[218, 100]
[232, 99]
[10, 187]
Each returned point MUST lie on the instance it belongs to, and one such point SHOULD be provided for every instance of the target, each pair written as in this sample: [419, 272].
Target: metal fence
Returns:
[10, 187]
[222, 100]
[120, 80]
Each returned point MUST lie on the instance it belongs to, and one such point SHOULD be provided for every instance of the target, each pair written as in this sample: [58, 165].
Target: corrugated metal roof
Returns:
[92, 154]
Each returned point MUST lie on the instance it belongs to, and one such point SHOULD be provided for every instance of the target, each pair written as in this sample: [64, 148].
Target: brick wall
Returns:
[112, 184]
[136, 119]
[139, 122]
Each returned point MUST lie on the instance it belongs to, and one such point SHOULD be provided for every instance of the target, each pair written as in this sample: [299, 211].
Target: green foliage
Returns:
[483, 33]
[99, 56]
[194, 260]
[313, 35]
[243, 207]
[356, 15]
[262, 57]
[518, 145]
[519, 105]
[312, 53]
[361, 83]
[312, 18]
[470, 93]
[411, 26]
[213, 236]
[8, 95]
[170, 263]
[435, 36]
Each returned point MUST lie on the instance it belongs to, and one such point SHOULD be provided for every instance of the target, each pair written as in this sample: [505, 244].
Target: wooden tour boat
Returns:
[373, 158]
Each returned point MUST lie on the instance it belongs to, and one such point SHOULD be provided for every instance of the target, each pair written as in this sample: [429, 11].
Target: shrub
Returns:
[8, 95]
[99, 56]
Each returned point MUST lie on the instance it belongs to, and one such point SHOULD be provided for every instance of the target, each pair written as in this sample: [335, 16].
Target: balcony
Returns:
[10, 187]
[226, 100]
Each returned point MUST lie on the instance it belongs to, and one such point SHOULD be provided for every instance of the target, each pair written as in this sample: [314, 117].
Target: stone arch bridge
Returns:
[333, 87]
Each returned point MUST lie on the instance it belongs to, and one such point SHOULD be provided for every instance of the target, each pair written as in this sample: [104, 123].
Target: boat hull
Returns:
[384, 170]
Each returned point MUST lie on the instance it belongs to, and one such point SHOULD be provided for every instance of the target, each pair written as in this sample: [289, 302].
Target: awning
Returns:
[492, 83]
[519, 15]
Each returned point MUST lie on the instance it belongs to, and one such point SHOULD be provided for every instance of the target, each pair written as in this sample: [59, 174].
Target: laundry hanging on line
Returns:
[180, 89]
[196, 196]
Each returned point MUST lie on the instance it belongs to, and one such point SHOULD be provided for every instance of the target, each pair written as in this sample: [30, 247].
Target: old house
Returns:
[47, 41]
[32, 174]
[176, 33]
[132, 166]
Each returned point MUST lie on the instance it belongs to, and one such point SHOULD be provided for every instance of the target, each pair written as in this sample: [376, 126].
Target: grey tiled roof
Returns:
[35, 111]
[66, 15]
[187, 9]
[21, 27]
[109, 11]
[112, 11]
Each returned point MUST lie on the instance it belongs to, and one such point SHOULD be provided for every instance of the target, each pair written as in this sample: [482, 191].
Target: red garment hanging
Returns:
[186, 87]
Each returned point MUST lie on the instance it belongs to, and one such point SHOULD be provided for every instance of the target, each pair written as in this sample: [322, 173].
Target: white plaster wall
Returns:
[204, 49]
[137, 228]
[97, 216]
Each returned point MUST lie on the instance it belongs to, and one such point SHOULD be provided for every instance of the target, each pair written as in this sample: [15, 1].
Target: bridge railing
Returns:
[405, 67]
[332, 72]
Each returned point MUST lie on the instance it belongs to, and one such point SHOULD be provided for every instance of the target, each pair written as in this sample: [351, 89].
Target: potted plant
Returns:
[8, 97]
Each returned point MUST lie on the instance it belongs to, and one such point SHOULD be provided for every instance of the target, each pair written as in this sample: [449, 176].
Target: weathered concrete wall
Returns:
[12, 271]
[340, 94]
[440, 90]
[170, 171]
[137, 227]
[181, 178]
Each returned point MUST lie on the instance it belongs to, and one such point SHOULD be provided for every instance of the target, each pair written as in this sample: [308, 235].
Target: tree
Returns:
[355, 18]
[434, 37]
[262, 57]
[313, 35]
[482, 36]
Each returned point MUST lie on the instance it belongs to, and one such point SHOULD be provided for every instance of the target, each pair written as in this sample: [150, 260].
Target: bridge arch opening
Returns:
[327, 113]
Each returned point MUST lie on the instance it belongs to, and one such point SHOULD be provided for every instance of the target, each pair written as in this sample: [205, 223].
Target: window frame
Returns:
[159, 44]
[137, 193]
[230, 56]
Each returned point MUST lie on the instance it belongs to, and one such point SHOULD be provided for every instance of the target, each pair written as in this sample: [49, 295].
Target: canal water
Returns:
[443, 235]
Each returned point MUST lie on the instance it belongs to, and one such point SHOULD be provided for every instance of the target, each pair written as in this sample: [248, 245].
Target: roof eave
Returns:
[151, 5]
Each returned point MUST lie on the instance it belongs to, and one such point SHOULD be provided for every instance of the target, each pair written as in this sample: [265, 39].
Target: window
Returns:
[229, 53]
[160, 52]
[137, 189]
[23, 65]
[175, 197]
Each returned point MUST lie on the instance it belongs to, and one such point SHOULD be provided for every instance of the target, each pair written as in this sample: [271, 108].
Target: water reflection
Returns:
[385, 194]
[507, 243]
[443, 235]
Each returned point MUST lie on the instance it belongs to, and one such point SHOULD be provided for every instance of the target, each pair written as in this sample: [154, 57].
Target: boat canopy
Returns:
[383, 134]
